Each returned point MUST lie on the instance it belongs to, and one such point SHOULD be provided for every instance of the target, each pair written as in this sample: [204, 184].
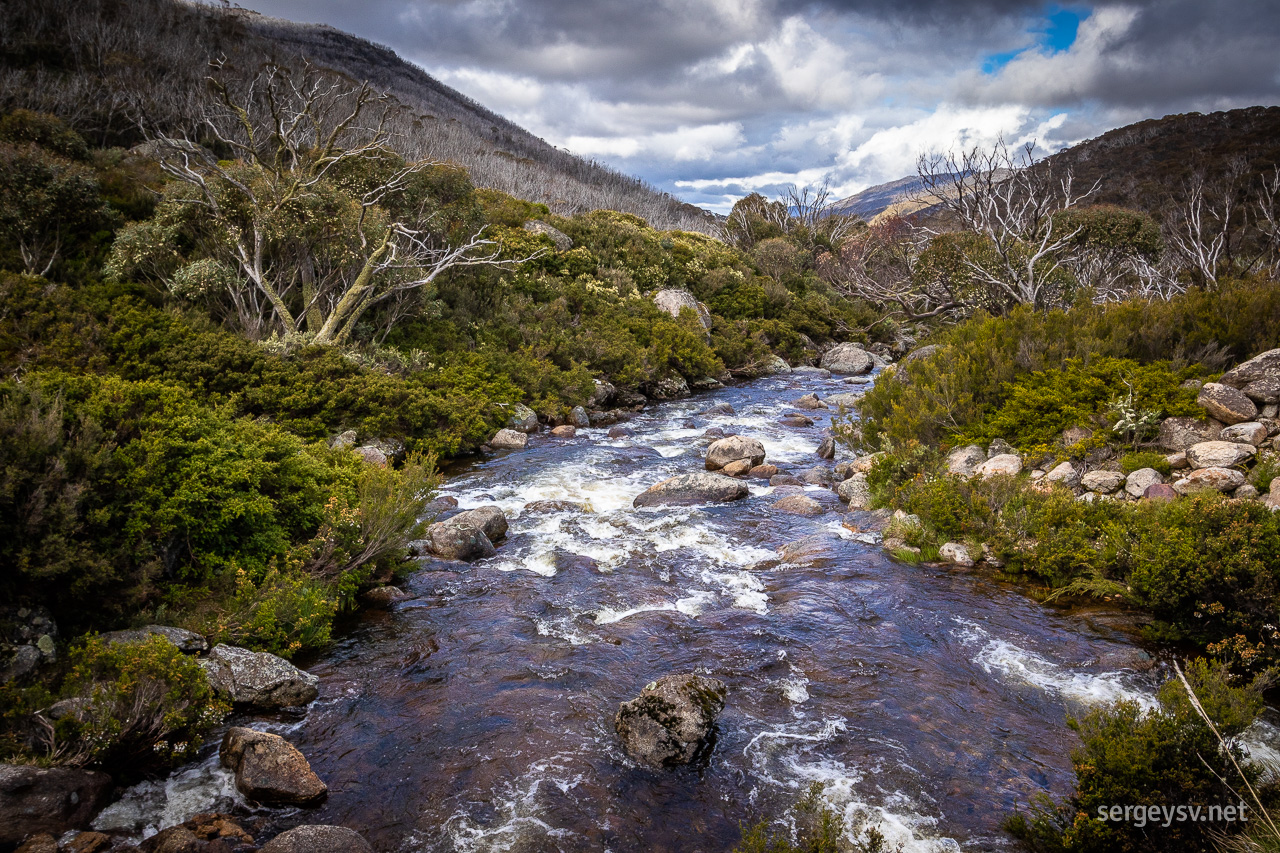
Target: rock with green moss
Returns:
[672, 720]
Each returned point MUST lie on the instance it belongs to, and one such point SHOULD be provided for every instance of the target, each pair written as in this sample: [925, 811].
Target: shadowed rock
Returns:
[269, 769]
[672, 719]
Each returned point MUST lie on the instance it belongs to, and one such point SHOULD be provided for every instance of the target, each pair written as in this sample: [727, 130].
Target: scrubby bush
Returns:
[954, 391]
[1040, 406]
[1163, 758]
[1140, 459]
[144, 707]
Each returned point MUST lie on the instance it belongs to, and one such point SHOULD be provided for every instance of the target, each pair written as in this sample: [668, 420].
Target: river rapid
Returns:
[478, 714]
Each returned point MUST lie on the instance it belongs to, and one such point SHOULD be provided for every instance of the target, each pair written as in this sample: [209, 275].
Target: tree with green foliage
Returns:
[298, 214]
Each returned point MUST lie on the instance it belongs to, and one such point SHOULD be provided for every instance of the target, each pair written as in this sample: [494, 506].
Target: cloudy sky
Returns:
[712, 99]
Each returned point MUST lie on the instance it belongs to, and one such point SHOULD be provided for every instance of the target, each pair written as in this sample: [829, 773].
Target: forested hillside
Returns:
[108, 65]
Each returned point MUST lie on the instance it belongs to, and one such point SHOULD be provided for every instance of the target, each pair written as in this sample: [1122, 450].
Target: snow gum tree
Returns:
[292, 215]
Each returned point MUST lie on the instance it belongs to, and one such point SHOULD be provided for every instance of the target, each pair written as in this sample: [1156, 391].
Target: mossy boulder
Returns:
[672, 720]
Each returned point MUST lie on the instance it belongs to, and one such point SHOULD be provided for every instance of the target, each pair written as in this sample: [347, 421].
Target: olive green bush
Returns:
[1164, 758]
[142, 707]
[951, 393]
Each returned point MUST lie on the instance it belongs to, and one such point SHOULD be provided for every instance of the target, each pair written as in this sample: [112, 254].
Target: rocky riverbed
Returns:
[479, 712]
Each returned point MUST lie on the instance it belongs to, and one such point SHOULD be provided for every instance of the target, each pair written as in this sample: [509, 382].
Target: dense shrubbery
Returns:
[1207, 568]
[1164, 758]
[956, 390]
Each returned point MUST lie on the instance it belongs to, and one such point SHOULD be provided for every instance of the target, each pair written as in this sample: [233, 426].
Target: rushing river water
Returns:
[478, 715]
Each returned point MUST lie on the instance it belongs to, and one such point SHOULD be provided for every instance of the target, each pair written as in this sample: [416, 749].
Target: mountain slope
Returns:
[105, 66]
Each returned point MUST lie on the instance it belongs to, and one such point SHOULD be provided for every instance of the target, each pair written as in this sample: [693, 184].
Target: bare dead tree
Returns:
[1010, 200]
[1217, 227]
[289, 133]
[882, 266]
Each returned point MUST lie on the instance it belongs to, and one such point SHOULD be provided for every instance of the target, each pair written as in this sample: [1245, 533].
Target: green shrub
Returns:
[1264, 471]
[953, 392]
[1163, 758]
[1137, 460]
[1040, 406]
[148, 707]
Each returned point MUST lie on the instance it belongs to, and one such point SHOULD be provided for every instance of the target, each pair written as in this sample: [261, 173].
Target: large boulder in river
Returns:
[318, 839]
[489, 520]
[258, 679]
[690, 489]
[1227, 404]
[463, 540]
[269, 769]
[848, 359]
[672, 719]
[855, 491]
[509, 439]
[733, 448]
[53, 800]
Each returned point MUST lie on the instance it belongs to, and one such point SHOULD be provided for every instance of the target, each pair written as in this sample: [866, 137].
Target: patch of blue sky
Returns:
[1055, 30]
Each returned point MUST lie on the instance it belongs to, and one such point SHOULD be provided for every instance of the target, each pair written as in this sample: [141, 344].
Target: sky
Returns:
[713, 99]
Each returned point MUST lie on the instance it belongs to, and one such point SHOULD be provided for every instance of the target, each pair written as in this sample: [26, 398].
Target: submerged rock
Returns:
[258, 679]
[672, 719]
[269, 769]
[798, 505]
[689, 489]
[318, 839]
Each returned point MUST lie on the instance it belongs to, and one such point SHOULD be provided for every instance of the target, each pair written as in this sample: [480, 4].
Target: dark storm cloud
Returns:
[710, 98]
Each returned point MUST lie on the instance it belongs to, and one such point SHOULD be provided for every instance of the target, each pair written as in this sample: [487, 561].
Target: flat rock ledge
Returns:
[258, 679]
[691, 489]
[672, 720]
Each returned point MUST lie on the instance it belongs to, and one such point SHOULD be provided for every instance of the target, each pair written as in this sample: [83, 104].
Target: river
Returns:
[478, 714]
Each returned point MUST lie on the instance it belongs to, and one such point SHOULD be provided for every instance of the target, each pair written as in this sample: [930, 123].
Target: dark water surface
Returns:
[478, 715]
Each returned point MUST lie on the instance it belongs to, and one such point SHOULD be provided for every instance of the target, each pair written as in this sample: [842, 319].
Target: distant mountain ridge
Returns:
[1138, 165]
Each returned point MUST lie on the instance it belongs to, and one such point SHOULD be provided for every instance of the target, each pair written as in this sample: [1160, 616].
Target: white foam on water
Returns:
[564, 629]
[783, 757]
[1015, 665]
[148, 807]
[746, 590]
[519, 824]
